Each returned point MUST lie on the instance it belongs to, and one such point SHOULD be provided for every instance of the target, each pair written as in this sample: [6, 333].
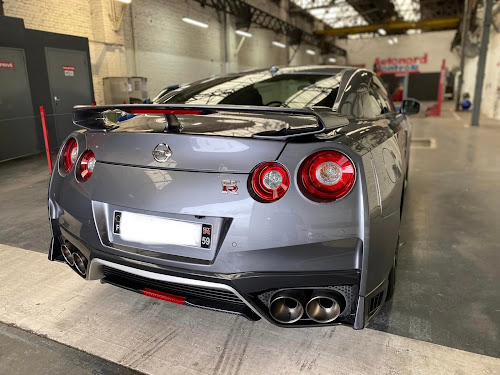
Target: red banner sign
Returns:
[69, 71]
[398, 66]
[6, 65]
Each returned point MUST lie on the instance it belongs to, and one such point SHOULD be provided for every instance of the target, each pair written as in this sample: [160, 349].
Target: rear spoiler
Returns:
[94, 117]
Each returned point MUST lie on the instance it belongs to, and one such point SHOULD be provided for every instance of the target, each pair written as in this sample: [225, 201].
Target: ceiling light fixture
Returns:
[278, 44]
[310, 52]
[332, 60]
[243, 33]
[125, 1]
[382, 32]
[195, 23]
[390, 41]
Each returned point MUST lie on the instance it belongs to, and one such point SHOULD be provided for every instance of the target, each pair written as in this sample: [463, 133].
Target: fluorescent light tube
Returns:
[243, 33]
[195, 23]
[278, 44]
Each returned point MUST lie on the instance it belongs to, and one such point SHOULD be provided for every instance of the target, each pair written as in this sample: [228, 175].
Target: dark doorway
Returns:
[69, 82]
[19, 135]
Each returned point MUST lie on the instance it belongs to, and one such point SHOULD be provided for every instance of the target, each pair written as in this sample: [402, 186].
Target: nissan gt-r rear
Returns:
[252, 194]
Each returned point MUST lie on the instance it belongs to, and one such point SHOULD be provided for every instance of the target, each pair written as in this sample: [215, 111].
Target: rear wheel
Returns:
[392, 275]
[392, 284]
[406, 174]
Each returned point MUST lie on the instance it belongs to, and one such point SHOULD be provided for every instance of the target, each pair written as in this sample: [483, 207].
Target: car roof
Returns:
[312, 69]
[304, 69]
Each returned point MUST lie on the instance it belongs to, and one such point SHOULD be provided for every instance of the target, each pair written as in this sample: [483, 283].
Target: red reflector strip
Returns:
[164, 296]
[165, 111]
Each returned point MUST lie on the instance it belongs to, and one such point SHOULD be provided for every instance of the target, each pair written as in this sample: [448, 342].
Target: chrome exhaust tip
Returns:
[285, 308]
[80, 263]
[324, 307]
[67, 255]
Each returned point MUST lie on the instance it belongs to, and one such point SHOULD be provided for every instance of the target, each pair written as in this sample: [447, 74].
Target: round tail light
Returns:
[268, 182]
[87, 164]
[69, 154]
[326, 176]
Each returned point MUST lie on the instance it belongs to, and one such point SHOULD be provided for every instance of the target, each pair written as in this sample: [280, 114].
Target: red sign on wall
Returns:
[69, 71]
[6, 65]
[398, 66]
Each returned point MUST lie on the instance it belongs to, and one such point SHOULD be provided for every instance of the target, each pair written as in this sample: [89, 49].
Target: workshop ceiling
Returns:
[345, 14]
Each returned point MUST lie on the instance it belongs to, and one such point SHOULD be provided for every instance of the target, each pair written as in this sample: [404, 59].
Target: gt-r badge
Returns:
[229, 187]
[162, 153]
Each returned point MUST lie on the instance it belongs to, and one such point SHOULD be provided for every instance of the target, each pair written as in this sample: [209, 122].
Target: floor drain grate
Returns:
[423, 143]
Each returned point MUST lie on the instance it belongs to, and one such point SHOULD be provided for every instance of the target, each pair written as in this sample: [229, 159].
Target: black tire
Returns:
[392, 275]
[392, 284]
[405, 184]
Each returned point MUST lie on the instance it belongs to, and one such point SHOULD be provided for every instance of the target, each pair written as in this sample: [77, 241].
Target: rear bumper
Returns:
[247, 294]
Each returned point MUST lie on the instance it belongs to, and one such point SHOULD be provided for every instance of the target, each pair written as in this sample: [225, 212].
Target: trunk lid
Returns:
[183, 151]
[203, 138]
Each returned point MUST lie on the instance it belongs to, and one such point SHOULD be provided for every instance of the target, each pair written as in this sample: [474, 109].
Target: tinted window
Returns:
[297, 90]
[370, 103]
[385, 100]
[362, 103]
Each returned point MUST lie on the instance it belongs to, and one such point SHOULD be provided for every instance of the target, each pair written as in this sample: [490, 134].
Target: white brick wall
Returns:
[490, 104]
[154, 42]
[66, 17]
[436, 45]
[84, 18]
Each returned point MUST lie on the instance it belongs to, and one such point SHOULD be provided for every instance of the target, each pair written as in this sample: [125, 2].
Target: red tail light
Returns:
[268, 182]
[69, 154]
[87, 164]
[326, 176]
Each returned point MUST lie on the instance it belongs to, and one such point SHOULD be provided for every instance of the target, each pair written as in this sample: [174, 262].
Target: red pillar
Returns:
[442, 82]
[46, 138]
[435, 110]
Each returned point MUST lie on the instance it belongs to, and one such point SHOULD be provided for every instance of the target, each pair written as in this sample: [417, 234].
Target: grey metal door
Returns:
[19, 134]
[69, 81]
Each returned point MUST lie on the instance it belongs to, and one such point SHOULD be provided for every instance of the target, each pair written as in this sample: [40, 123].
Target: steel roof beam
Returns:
[239, 8]
[384, 9]
[433, 24]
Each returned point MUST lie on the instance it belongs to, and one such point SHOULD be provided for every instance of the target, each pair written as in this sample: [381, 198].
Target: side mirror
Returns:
[410, 106]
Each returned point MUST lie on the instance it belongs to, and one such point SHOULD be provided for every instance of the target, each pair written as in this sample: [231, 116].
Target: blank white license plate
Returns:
[155, 230]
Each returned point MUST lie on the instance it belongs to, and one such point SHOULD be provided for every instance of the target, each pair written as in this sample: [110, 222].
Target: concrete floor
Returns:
[47, 357]
[156, 337]
[23, 205]
[448, 279]
[447, 290]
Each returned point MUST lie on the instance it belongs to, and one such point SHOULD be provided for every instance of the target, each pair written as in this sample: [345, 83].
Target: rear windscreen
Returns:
[261, 89]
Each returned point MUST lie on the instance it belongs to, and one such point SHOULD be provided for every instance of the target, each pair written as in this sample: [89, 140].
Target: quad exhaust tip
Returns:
[67, 255]
[74, 259]
[80, 264]
[286, 308]
[324, 307]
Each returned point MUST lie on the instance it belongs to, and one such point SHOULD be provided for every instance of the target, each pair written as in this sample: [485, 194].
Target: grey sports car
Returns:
[272, 194]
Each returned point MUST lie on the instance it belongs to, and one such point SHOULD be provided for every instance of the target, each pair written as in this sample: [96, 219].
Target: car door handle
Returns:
[57, 100]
